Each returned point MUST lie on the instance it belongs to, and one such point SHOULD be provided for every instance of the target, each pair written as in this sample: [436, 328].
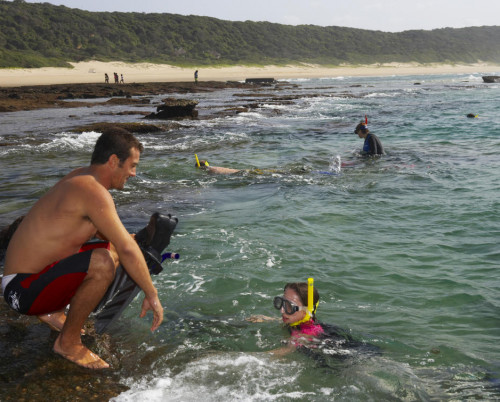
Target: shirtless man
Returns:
[46, 267]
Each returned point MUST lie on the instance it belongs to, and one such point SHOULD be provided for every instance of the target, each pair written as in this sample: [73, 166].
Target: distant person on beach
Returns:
[106, 78]
[196, 77]
[116, 77]
[121, 79]
[46, 268]
[372, 145]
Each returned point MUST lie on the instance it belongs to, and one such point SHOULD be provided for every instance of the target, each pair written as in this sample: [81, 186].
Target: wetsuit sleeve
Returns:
[375, 145]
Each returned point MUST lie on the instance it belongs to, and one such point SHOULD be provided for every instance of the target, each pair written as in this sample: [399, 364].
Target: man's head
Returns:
[114, 141]
[119, 151]
[362, 129]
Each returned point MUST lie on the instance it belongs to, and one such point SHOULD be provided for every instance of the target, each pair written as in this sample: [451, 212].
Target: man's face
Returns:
[126, 169]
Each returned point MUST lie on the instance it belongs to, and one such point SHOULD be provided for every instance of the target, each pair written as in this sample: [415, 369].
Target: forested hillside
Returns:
[36, 35]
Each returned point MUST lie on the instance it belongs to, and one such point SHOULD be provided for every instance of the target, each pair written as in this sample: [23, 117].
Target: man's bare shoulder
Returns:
[77, 194]
[82, 179]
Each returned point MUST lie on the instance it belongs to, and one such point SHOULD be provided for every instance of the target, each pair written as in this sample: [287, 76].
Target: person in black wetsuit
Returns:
[372, 145]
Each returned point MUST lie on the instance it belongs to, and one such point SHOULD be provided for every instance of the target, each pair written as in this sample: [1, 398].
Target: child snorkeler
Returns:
[298, 307]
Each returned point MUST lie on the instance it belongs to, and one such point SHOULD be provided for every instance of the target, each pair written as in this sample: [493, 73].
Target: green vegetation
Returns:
[37, 35]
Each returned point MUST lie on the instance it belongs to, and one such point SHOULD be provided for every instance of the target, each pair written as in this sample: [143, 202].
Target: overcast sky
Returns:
[383, 15]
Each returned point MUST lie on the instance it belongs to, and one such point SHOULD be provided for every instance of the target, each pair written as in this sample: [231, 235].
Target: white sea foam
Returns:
[380, 95]
[72, 141]
[223, 377]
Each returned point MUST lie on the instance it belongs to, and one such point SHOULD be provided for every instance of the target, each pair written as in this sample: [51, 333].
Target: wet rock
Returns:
[31, 371]
[128, 101]
[260, 81]
[173, 108]
[136, 128]
[491, 78]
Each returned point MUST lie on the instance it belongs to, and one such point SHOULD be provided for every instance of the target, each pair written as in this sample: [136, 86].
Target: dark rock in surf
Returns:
[175, 109]
[491, 78]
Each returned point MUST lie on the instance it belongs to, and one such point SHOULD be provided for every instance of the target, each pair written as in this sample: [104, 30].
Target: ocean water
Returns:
[404, 249]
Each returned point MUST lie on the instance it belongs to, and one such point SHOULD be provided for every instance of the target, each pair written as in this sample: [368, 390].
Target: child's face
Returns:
[292, 296]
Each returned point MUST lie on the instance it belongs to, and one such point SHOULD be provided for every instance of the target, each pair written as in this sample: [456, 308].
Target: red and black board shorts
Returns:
[52, 288]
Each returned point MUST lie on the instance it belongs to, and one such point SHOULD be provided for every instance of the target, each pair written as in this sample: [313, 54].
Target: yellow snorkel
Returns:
[311, 308]
[310, 294]
[198, 161]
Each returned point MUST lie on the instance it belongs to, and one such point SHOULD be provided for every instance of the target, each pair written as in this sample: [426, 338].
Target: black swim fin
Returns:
[152, 240]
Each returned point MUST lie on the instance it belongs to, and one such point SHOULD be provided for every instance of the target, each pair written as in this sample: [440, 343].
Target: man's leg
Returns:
[57, 319]
[99, 276]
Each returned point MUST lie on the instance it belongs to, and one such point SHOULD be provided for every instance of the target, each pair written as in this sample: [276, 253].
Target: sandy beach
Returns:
[93, 72]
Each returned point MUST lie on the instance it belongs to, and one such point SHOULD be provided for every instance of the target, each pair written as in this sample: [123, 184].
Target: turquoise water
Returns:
[404, 249]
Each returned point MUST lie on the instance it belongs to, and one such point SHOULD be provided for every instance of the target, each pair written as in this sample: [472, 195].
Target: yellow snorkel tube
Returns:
[310, 295]
[198, 161]
[310, 303]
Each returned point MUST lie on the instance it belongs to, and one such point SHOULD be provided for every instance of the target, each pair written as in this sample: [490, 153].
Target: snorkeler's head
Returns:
[203, 164]
[301, 289]
[362, 127]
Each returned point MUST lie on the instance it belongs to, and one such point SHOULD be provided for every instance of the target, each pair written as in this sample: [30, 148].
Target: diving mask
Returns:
[288, 306]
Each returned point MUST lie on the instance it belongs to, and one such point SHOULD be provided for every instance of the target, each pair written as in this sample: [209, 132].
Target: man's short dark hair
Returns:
[117, 141]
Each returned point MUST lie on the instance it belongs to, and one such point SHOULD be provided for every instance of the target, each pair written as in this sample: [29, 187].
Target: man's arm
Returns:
[101, 210]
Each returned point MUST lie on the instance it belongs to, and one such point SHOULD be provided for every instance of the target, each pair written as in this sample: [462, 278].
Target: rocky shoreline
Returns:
[30, 371]
[33, 97]
[169, 111]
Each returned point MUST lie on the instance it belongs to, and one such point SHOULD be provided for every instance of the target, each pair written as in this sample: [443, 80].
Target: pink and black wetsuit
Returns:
[306, 333]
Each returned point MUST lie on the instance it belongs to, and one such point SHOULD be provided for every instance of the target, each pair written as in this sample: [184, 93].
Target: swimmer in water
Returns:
[307, 334]
[204, 165]
[372, 144]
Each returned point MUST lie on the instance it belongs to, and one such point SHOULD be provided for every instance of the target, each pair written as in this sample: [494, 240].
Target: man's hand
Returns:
[153, 304]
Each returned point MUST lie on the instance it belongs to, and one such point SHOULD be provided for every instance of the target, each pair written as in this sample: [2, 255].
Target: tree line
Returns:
[38, 35]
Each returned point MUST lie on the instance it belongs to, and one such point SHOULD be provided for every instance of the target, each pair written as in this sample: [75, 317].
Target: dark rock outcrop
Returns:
[175, 109]
[491, 78]
[260, 81]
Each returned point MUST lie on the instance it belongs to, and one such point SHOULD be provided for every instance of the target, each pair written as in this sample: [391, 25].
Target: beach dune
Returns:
[93, 72]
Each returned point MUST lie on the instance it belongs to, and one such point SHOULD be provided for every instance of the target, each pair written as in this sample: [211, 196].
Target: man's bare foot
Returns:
[55, 321]
[80, 355]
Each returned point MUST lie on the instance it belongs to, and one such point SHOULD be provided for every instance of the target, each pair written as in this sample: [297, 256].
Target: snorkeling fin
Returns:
[152, 240]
